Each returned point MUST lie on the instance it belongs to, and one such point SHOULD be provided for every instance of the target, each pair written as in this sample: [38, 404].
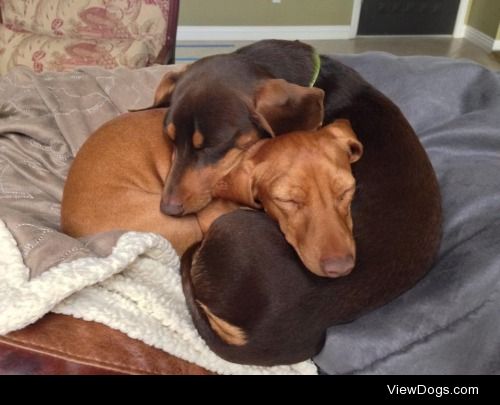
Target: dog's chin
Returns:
[312, 265]
[197, 206]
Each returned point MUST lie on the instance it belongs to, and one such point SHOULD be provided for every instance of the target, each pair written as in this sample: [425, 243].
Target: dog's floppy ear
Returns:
[342, 131]
[239, 185]
[165, 89]
[282, 107]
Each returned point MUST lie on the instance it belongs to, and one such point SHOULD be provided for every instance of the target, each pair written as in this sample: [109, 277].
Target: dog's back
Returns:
[397, 208]
[246, 281]
[293, 61]
[254, 302]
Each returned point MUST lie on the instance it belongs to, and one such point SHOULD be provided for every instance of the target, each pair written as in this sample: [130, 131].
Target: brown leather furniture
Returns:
[60, 344]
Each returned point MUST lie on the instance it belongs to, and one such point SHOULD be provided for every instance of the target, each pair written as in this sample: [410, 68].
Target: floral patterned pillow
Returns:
[43, 52]
[62, 34]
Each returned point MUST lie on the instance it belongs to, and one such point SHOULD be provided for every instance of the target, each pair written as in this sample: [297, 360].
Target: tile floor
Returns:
[187, 51]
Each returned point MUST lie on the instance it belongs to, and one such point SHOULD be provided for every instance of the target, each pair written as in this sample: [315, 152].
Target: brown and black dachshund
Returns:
[249, 294]
[219, 106]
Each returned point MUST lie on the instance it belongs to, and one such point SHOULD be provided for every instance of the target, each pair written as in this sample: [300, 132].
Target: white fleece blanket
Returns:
[136, 289]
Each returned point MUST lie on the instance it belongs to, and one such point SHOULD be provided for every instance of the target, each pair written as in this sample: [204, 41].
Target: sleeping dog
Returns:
[253, 302]
[219, 106]
[303, 180]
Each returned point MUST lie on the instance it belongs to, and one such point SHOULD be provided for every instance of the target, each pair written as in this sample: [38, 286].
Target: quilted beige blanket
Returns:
[128, 281]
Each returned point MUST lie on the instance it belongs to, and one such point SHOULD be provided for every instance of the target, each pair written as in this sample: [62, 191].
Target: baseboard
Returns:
[255, 33]
[480, 38]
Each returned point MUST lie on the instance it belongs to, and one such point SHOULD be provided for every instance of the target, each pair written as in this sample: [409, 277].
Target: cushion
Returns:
[448, 323]
[43, 52]
[59, 35]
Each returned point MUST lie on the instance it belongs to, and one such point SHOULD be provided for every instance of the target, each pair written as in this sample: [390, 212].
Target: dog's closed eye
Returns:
[287, 203]
[347, 194]
[286, 193]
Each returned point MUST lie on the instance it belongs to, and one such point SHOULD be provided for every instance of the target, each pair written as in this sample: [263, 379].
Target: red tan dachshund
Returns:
[302, 179]
[272, 311]
[116, 181]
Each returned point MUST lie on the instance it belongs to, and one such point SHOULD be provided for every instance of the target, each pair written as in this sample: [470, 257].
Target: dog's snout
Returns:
[337, 266]
[171, 206]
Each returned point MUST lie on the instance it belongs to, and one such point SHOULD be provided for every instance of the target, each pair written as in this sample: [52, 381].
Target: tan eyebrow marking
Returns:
[198, 139]
[171, 131]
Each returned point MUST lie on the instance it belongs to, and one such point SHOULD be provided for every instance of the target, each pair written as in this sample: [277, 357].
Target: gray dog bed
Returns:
[450, 322]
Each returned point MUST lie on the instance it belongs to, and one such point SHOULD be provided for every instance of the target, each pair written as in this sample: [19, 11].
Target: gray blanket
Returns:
[44, 119]
[450, 322]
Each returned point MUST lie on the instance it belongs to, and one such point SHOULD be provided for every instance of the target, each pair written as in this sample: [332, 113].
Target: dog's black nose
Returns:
[171, 207]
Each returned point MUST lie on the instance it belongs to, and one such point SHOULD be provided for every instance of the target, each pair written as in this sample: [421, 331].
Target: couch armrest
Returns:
[60, 344]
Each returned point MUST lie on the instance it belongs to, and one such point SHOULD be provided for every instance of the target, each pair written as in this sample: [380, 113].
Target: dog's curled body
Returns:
[397, 229]
[116, 181]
